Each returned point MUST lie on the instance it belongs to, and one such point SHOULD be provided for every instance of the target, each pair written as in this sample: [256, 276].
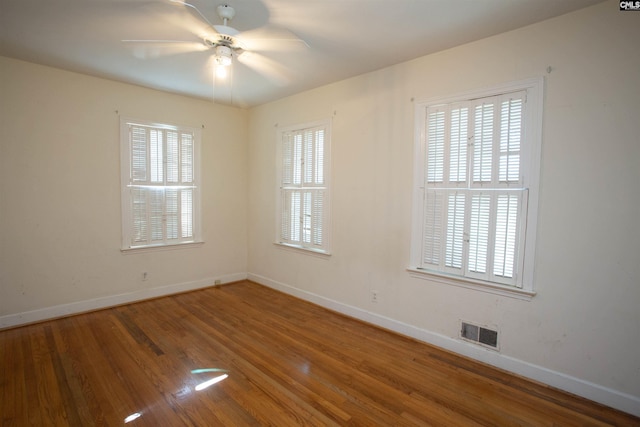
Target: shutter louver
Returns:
[432, 228]
[296, 212]
[138, 137]
[156, 156]
[319, 157]
[458, 145]
[171, 214]
[287, 160]
[455, 230]
[297, 160]
[506, 234]
[483, 143]
[173, 157]
[510, 137]
[186, 158]
[317, 214]
[187, 213]
[285, 220]
[156, 199]
[306, 217]
[435, 146]
[139, 212]
[307, 158]
[479, 232]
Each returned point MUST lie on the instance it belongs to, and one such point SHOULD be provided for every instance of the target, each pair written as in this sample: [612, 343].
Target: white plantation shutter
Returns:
[510, 138]
[157, 156]
[433, 228]
[187, 213]
[156, 214]
[139, 156]
[455, 230]
[458, 145]
[435, 144]
[303, 188]
[140, 215]
[317, 218]
[508, 215]
[474, 204]
[483, 142]
[159, 184]
[479, 224]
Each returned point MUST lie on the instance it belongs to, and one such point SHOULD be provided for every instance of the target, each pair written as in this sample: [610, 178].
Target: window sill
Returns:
[305, 251]
[172, 247]
[476, 285]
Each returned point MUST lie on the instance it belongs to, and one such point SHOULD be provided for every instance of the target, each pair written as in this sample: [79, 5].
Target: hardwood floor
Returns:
[289, 363]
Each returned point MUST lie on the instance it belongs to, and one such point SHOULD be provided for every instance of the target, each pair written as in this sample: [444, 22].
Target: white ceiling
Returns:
[344, 37]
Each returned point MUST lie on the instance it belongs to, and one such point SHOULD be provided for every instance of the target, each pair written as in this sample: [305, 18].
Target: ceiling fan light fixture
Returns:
[222, 72]
[223, 56]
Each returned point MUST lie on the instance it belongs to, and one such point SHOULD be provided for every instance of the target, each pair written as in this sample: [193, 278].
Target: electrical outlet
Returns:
[374, 296]
[217, 282]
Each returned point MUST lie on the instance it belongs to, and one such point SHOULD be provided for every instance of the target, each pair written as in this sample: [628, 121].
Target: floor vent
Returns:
[480, 335]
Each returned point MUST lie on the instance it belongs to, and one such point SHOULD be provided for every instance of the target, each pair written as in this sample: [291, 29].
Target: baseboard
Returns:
[62, 310]
[597, 393]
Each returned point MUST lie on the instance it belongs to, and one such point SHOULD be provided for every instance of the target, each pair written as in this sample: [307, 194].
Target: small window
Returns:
[160, 184]
[303, 187]
[476, 186]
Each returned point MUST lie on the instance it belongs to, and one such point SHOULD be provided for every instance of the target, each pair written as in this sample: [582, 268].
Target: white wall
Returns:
[580, 331]
[60, 226]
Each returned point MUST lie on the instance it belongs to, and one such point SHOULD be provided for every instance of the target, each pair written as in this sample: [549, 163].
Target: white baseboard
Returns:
[597, 393]
[12, 320]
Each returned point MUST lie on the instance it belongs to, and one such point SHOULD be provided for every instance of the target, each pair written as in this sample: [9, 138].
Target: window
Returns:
[303, 192]
[160, 184]
[476, 191]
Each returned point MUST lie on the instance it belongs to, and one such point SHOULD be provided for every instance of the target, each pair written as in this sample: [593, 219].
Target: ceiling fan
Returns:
[224, 41]
[229, 44]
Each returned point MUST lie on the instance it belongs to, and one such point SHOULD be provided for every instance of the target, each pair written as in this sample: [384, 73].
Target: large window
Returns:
[303, 186]
[476, 191]
[160, 184]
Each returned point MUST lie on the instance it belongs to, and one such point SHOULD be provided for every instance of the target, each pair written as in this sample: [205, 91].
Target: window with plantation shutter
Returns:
[477, 167]
[303, 202]
[160, 185]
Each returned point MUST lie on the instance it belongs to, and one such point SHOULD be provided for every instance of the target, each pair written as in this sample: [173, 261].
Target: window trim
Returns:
[326, 123]
[125, 170]
[534, 89]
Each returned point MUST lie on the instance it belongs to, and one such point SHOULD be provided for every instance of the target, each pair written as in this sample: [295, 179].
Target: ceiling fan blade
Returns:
[189, 5]
[168, 20]
[271, 69]
[205, 25]
[274, 41]
[148, 49]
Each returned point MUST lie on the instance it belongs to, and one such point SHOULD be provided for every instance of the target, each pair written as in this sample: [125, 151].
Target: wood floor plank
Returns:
[289, 363]
[49, 404]
[13, 404]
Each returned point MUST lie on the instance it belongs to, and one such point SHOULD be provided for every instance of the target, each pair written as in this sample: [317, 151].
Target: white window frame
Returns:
[316, 223]
[186, 228]
[528, 184]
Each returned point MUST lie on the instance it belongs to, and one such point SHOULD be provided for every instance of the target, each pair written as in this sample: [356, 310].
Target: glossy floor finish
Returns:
[289, 363]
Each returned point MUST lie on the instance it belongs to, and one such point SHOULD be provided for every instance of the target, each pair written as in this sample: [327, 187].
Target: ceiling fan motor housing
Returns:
[225, 36]
[226, 12]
